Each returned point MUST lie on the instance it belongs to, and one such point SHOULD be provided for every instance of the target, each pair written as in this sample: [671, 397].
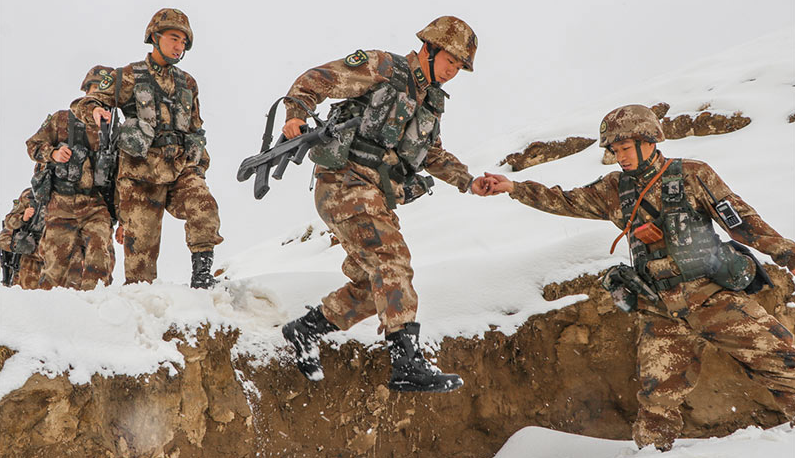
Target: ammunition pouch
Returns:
[136, 137]
[194, 146]
[104, 168]
[334, 154]
[416, 186]
[731, 268]
[24, 242]
[66, 175]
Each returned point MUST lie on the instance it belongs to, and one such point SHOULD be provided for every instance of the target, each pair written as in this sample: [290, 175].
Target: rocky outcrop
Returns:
[571, 369]
[705, 123]
[540, 152]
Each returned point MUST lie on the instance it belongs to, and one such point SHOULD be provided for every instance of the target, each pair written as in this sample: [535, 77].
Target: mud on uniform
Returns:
[165, 174]
[672, 335]
[77, 223]
[29, 265]
[352, 199]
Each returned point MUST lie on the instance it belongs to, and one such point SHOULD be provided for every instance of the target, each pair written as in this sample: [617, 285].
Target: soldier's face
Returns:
[626, 155]
[445, 66]
[172, 43]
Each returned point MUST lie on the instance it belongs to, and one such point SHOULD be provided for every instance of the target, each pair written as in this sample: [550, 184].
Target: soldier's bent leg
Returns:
[668, 367]
[57, 246]
[376, 247]
[141, 207]
[735, 323]
[189, 199]
[97, 242]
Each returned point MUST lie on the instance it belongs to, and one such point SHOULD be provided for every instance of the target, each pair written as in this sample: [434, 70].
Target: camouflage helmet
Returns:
[630, 122]
[454, 36]
[97, 75]
[169, 19]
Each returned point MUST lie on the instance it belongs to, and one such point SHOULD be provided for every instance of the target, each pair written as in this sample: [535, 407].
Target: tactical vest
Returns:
[690, 239]
[66, 176]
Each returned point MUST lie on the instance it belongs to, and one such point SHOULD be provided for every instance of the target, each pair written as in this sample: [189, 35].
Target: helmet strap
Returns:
[432, 52]
[643, 165]
[169, 60]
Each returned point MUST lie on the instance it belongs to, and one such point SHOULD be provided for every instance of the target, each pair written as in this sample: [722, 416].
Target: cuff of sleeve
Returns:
[516, 191]
[46, 153]
[293, 112]
[468, 187]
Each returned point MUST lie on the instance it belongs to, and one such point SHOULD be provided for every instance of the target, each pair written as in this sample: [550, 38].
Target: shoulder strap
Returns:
[402, 78]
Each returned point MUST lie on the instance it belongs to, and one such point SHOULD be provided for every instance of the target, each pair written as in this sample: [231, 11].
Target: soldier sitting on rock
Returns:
[687, 286]
[365, 173]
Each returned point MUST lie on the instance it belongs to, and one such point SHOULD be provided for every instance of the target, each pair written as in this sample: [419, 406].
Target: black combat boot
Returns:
[410, 370]
[304, 333]
[201, 276]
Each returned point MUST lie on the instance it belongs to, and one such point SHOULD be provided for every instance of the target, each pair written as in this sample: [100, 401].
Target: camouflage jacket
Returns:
[13, 219]
[52, 133]
[164, 164]
[339, 80]
[600, 200]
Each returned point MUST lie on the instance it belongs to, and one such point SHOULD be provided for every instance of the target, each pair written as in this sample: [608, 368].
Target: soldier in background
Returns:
[162, 160]
[365, 173]
[78, 224]
[27, 276]
[698, 289]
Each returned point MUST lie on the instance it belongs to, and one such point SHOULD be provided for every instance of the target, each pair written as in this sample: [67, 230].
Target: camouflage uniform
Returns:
[165, 178]
[352, 203]
[78, 225]
[29, 265]
[674, 332]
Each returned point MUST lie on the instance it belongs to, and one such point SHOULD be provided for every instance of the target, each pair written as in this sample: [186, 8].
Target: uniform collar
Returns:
[157, 68]
[420, 78]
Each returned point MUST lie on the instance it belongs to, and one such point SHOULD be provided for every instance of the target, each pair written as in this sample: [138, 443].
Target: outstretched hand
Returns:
[498, 184]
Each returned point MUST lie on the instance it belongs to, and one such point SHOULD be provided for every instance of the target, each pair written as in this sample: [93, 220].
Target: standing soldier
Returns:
[162, 158]
[693, 288]
[363, 175]
[78, 223]
[22, 269]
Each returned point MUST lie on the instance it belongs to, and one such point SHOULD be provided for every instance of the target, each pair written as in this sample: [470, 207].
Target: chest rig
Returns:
[149, 99]
[392, 119]
[690, 239]
[66, 176]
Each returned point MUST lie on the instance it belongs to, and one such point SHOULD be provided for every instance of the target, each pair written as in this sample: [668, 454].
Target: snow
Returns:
[480, 263]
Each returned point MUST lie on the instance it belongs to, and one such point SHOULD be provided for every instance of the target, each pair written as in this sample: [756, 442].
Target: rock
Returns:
[705, 123]
[540, 152]
[661, 109]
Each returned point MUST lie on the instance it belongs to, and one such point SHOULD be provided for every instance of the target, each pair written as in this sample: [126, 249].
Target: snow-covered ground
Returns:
[479, 262]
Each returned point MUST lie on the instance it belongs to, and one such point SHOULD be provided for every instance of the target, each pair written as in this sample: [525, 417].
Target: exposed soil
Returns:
[540, 152]
[571, 369]
[705, 123]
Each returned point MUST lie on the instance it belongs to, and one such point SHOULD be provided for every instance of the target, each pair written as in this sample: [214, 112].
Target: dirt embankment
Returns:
[571, 369]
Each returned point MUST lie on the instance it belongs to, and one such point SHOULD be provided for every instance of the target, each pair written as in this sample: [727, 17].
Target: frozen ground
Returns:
[478, 261]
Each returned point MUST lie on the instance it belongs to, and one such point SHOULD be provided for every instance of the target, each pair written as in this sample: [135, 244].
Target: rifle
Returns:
[25, 240]
[10, 266]
[106, 163]
[284, 150]
[625, 285]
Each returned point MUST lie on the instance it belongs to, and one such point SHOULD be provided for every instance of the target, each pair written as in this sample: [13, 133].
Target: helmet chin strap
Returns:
[432, 51]
[169, 60]
[643, 165]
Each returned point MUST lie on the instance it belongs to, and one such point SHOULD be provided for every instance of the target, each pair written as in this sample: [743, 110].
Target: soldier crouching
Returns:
[687, 286]
[162, 158]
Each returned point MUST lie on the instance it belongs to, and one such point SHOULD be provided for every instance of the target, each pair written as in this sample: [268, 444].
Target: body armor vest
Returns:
[149, 99]
[690, 239]
[66, 176]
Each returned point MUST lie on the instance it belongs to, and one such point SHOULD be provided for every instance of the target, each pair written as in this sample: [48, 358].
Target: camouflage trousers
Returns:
[378, 262]
[141, 207]
[29, 272]
[669, 352]
[77, 228]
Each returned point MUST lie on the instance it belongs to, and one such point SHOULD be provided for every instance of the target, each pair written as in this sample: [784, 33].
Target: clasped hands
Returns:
[490, 185]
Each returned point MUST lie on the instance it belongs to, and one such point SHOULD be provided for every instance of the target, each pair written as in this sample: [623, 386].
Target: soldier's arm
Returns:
[338, 80]
[593, 201]
[446, 167]
[753, 231]
[83, 107]
[13, 220]
[196, 122]
[42, 144]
